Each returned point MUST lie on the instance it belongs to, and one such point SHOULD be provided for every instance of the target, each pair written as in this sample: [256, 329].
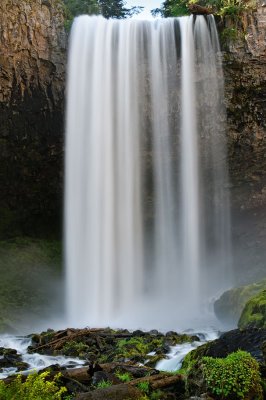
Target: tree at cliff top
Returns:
[116, 9]
[175, 8]
[107, 8]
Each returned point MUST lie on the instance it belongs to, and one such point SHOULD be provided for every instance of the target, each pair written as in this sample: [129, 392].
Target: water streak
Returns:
[146, 205]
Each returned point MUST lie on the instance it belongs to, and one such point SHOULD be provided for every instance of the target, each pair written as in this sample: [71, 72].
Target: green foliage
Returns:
[137, 347]
[144, 386]
[189, 361]
[157, 395]
[172, 8]
[35, 387]
[124, 376]
[107, 8]
[116, 9]
[254, 313]
[103, 384]
[232, 302]
[73, 348]
[234, 377]
[175, 8]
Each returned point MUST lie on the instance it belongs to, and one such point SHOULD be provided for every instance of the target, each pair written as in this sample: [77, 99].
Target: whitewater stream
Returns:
[37, 362]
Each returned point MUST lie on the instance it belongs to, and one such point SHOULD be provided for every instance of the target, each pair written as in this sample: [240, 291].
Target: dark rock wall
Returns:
[32, 76]
[32, 82]
[245, 90]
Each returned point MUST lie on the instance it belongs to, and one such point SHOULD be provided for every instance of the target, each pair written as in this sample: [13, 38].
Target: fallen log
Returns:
[159, 381]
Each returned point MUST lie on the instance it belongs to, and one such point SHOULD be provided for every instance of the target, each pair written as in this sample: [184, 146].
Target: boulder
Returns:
[230, 305]
[250, 340]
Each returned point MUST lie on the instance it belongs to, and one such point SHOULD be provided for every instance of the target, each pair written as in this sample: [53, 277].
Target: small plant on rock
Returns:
[235, 377]
[123, 376]
[103, 384]
[144, 386]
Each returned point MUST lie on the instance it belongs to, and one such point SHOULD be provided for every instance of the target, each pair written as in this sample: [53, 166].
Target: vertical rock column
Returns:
[32, 74]
[245, 86]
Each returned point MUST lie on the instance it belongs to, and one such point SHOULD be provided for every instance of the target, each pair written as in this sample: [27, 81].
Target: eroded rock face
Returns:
[245, 90]
[32, 74]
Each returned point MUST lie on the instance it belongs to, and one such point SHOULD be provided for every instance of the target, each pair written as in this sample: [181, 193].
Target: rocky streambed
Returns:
[118, 364]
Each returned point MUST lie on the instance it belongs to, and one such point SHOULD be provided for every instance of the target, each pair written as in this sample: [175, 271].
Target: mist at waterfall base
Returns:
[147, 225]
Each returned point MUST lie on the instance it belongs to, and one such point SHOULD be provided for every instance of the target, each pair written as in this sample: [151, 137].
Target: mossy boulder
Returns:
[254, 313]
[250, 340]
[236, 376]
[230, 305]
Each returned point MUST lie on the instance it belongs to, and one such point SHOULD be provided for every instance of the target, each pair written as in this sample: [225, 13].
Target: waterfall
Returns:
[147, 224]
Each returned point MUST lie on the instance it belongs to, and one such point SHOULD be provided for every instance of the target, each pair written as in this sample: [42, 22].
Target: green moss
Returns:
[235, 377]
[254, 313]
[144, 386]
[123, 376]
[137, 348]
[230, 305]
[103, 384]
[76, 349]
[35, 387]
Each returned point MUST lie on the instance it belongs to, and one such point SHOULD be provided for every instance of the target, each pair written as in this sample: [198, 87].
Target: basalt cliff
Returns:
[33, 45]
[32, 80]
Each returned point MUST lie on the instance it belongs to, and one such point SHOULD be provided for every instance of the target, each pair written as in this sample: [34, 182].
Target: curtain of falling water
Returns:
[145, 172]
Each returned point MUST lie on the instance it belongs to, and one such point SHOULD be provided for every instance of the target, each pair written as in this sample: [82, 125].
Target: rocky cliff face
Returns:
[32, 73]
[245, 86]
[32, 81]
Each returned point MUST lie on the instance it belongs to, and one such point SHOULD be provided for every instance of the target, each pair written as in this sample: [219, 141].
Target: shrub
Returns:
[124, 376]
[103, 384]
[234, 377]
[35, 387]
[144, 386]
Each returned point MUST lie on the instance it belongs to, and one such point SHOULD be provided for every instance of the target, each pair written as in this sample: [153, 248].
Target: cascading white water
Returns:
[146, 205]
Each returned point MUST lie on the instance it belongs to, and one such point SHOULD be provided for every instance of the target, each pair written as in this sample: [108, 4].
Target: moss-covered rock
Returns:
[254, 313]
[235, 377]
[107, 345]
[250, 340]
[230, 305]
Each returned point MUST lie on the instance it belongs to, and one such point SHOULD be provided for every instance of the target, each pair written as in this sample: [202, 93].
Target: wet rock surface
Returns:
[250, 340]
[107, 345]
[9, 358]
[112, 362]
[245, 95]
[128, 379]
[32, 76]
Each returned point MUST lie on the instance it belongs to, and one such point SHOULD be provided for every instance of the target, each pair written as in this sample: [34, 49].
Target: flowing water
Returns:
[147, 224]
[35, 361]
